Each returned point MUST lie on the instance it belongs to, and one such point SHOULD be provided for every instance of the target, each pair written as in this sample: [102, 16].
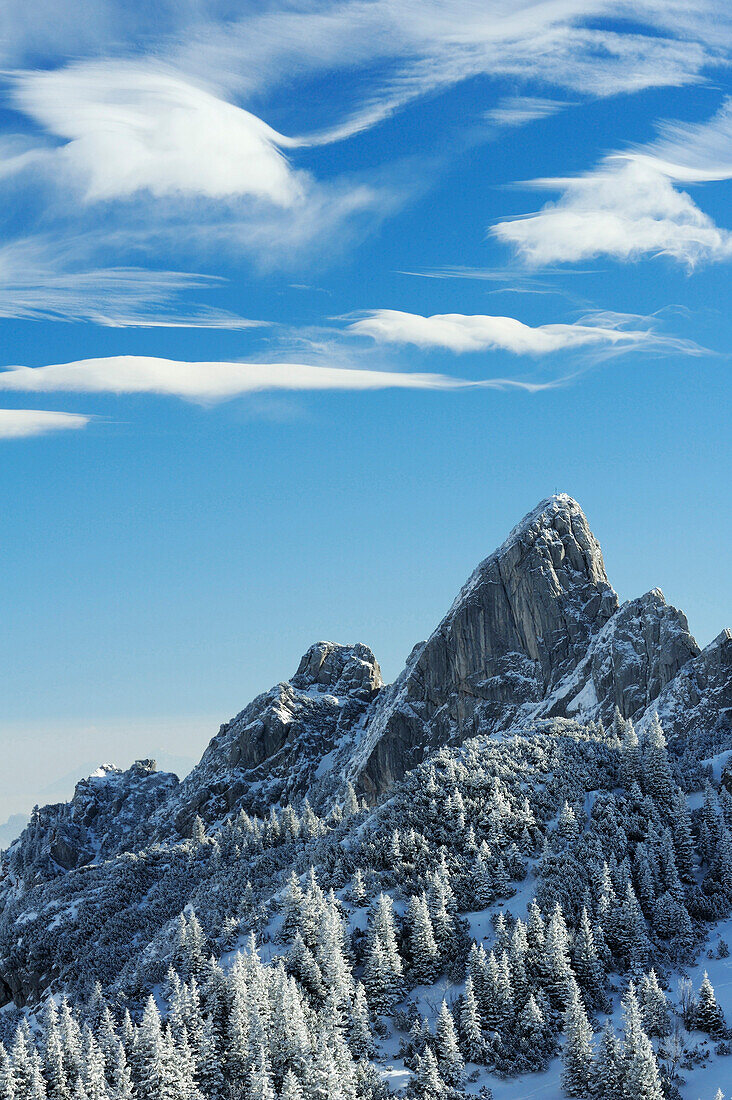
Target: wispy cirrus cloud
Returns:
[136, 157]
[40, 281]
[220, 381]
[459, 332]
[520, 110]
[155, 134]
[417, 49]
[22, 423]
[411, 46]
[630, 205]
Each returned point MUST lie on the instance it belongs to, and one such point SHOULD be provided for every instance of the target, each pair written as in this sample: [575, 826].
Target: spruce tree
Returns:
[421, 942]
[577, 1054]
[95, 1080]
[449, 1058]
[683, 840]
[639, 1079]
[606, 1069]
[260, 1080]
[22, 1061]
[471, 1031]
[7, 1078]
[121, 1085]
[359, 1033]
[291, 1088]
[630, 756]
[586, 963]
[654, 1006]
[556, 960]
[149, 1055]
[209, 1073]
[657, 777]
[57, 1082]
[708, 1016]
[428, 1084]
[533, 1034]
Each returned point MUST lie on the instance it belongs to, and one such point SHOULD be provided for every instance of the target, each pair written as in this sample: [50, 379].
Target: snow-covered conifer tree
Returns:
[577, 1055]
[471, 1030]
[606, 1069]
[657, 777]
[708, 1015]
[291, 1088]
[428, 1084]
[654, 1006]
[421, 943]
[7, 1078]
[639, 1077]
[449, 1058]
[359, 1028]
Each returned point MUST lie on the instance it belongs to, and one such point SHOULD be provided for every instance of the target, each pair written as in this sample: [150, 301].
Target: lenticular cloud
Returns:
[133, 127]
[220, 381]
[21, 423]
[461, 333]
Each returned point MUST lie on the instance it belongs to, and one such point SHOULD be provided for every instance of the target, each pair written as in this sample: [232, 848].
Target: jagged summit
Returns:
[521, 623]
[338, 668]
[274, 750]
[536, 632]
[543, 516]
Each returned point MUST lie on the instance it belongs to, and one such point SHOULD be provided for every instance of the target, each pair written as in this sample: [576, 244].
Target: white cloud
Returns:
[694, 152]
[220, 381]
[147, 120]
[629, 205]
[416, 48]
[41, 281]
[178, 168]
[460, 333]
[21, 423]
[133, 127]
[520, 110]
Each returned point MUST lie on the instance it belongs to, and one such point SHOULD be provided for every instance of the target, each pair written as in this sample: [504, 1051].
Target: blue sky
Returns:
[303, 306]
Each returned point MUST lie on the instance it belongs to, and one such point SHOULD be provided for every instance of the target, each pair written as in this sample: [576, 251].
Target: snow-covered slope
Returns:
[696, 706]
[523, 854]
[535, 632]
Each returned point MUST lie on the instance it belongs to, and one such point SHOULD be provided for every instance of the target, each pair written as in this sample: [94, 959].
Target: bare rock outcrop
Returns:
[521, 624]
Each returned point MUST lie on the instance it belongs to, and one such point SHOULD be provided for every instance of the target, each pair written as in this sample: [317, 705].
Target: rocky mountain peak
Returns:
[542, 593]
[338, 668]
[521, 624]
[274, 749]
[535, 633]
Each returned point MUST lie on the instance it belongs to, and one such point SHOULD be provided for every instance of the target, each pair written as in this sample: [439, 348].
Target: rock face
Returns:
[536, 632]
[521, 624]
[638, 651]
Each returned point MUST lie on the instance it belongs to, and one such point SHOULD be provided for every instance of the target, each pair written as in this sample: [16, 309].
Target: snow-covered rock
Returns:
[695, 708]
[273, 750]
[635, 655]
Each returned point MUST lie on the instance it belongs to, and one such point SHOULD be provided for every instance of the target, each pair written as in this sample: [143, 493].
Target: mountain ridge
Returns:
[535, 632]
